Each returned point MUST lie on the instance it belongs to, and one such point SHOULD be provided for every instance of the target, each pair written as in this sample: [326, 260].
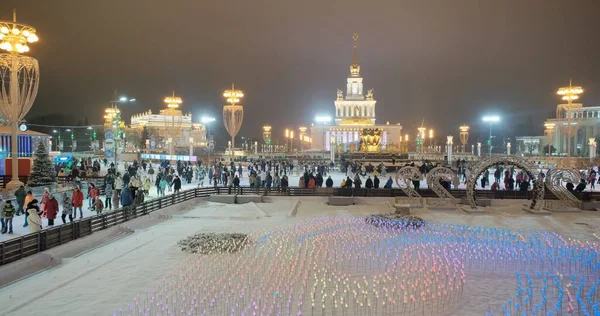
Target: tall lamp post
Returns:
[206, 120]
[324, 120]
[112, 127]
[491, 120]
[549, 132]
[592, 143]
[464, 136]
[173, 126]
[431, 140]
[19, 81]
[267, 136]
[233, 114]
[569, 94]
[449, 144]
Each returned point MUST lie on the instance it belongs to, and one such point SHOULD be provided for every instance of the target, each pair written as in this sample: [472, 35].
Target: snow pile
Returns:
[393, 220]
[209, 243]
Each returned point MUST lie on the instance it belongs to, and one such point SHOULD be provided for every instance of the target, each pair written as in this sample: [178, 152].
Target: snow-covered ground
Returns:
[137, 267]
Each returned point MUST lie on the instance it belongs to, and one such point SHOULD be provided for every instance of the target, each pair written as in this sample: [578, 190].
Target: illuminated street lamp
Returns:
[491, 120]
[449, 144]
[464, 136]
[267, 136]
[569, 94]
[324, 120]
[592, 144]
[549, 133]
[233, 113]
[207, 120]
[19, 80]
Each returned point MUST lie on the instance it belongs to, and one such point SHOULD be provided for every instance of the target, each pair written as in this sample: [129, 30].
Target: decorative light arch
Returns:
[404, 178]
[482, 165]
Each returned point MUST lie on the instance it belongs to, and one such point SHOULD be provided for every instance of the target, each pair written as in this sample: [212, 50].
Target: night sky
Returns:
[448, 61]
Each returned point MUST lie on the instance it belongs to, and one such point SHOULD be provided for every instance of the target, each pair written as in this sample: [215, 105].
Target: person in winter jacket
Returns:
[67, 208]
[375, 182]
[389, 183]
[45, 198]
[2, 203]
[126, 198]
[329, 182]
[20, 195]
[34, 220]
[147, 185]
[311, 183]
[369, 183]
[115, 200]
[118, 183]
[77, 199]
[98, 206]
[51, 209]
[28, 200]
[7, 211]
[176, 184]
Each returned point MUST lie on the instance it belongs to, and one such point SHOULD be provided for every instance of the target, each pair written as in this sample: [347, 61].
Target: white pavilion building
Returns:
[354, 112]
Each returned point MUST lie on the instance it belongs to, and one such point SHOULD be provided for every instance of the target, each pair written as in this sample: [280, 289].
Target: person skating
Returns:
[115, 200]
[77, 199]
[389, 183]
[375, 182]
[176, 184]
[28, 200]
[51, 209]
[20, 195]
[97, 206]
[67, 208]
[8, 212]
[329, 182]
[34, 221]
[369, 183]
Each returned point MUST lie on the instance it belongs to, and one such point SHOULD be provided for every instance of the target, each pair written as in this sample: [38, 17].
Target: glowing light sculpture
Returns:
[19, 80]
[233, 114]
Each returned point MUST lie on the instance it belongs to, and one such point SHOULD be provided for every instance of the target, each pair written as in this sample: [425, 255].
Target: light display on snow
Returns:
[346, 266]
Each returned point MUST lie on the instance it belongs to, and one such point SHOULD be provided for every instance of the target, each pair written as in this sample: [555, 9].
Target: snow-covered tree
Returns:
[42, 172]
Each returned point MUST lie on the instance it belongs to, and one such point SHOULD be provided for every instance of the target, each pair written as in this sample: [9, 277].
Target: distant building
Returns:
[28, 143]
[531, 145]
[170, 125]
[585, 122]
[354, 116]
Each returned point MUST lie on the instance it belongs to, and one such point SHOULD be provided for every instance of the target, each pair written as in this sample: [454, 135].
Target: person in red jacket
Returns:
[51, 209]
[77, 199]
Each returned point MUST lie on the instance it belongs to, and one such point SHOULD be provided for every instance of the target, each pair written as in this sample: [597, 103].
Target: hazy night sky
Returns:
[450, 61]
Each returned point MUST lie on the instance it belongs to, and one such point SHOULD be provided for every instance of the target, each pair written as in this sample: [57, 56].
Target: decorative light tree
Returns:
[42, 172]
[464, 136]
[233, 114]
[19, 80]
[569, 94]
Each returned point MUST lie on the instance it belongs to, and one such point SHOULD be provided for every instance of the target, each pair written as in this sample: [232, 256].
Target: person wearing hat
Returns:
[8, 212]
[34, 220]
[51, 209]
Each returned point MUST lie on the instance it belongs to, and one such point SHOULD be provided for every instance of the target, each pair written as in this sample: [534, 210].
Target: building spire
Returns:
[355, 38]
[355, 68]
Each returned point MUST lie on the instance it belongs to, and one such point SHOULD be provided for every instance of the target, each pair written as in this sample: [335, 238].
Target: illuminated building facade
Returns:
[354, 112]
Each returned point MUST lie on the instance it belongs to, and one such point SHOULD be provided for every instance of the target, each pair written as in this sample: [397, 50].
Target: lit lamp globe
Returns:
[19, 79]
[267, 135]
[233, 113]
